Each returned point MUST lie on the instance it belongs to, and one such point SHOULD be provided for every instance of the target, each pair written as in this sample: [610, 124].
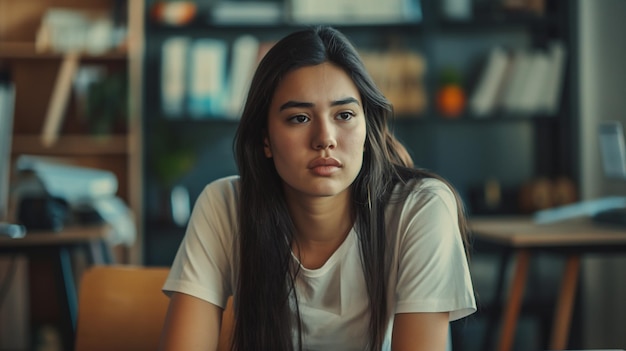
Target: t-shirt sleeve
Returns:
[202, 266]
[433, 273]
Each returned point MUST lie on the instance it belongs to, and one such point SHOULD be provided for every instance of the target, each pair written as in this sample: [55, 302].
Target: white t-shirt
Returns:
[429, 271]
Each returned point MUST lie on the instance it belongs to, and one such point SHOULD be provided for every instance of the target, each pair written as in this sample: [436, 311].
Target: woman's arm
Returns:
[420, 331]
[191, 324]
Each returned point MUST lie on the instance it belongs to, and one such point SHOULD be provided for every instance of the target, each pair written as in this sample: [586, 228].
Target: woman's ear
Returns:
[266, 147]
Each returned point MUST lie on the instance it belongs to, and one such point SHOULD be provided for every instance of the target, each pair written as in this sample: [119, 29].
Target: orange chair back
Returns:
[121, 308]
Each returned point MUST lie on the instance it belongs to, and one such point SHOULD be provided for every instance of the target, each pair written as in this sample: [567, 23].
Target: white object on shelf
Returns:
[69, 182]
[457, 9]
[180, 204]
[80, 187]
[173, 75]
[243, 12]
[485, 96]
[355, 11]
[554, 80]
[207, 78]
[243, 62]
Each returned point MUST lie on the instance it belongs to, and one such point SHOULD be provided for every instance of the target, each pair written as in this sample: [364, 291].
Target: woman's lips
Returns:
[324, 166]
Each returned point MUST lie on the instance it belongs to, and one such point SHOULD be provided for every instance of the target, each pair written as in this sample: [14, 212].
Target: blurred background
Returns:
[501, 97]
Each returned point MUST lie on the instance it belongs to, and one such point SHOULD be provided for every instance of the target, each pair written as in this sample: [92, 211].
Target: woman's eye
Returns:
[299, 119]
[345, 116]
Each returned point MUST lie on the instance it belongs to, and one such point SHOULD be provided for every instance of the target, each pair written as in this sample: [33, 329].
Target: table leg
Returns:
[492, 321]
[565, 303]
[69, 285]
[67, 288]
[100, 253]
[511, 312]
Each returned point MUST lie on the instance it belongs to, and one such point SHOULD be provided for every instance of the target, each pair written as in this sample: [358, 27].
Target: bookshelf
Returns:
[45, 78]
[51, 118]
[71, 145]
[24, 50]
[467, 149]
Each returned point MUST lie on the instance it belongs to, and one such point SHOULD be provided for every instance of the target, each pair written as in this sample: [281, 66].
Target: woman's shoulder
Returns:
[423, 186]
[228, 183]
[226, 188]
[416, 193]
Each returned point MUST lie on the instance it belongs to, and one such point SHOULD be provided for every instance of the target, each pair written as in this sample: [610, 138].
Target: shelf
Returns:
[71, 145]
[281, 26]
[489, 23]
[187, 119]
[28, 50]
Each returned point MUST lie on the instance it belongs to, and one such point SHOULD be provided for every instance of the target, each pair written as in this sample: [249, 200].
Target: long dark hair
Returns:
[264, 314]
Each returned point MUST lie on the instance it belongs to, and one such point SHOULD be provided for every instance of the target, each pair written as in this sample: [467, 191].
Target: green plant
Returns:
[107, 103]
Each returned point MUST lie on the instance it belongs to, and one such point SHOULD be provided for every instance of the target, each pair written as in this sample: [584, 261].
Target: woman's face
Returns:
[316, 131]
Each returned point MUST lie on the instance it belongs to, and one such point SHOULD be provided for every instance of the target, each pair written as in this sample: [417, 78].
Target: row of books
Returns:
[209, 78]
[316, 11]
[399, 74]
[355, 11]
[199, 80]
[520, 82]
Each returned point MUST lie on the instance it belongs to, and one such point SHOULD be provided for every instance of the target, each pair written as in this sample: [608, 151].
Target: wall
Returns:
[601, 54]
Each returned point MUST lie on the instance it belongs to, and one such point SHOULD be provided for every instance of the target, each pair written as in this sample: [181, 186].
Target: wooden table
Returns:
[90, 239]
[522, 237]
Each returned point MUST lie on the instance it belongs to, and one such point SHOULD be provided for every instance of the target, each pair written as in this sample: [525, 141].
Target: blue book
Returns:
[207, 78]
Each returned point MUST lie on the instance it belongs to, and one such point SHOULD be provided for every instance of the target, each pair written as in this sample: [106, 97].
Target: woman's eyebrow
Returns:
[292, 104]
[302, 104]
[346, 101]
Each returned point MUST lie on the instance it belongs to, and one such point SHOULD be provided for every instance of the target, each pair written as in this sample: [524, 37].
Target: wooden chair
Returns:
[123, 308]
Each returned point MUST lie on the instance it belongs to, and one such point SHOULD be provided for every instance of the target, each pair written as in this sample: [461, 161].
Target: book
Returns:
[173, 76]
[207, 93]
[483, 100]
[516, 82]
[258, 12]
[244, 59]
[554, 80]
[530, 99]
[354, 11]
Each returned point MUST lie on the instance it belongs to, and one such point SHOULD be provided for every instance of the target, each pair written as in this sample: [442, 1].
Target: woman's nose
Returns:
[324, 138]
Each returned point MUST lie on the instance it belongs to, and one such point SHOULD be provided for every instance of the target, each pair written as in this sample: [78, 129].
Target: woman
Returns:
[327, 240]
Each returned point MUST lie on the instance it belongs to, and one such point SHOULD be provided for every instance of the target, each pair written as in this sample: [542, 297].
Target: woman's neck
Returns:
[322, 224]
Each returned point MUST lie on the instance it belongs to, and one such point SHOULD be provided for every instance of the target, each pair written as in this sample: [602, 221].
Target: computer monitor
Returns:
[608, 209]
[7, 94]
[612, 149]
[613, 152]
[7, 100]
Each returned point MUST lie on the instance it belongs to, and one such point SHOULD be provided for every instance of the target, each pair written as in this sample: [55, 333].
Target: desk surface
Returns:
[69, 235]
[521, 232]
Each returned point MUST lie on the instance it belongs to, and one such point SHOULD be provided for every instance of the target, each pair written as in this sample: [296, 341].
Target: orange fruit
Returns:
[451, 100]
[174, 13]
